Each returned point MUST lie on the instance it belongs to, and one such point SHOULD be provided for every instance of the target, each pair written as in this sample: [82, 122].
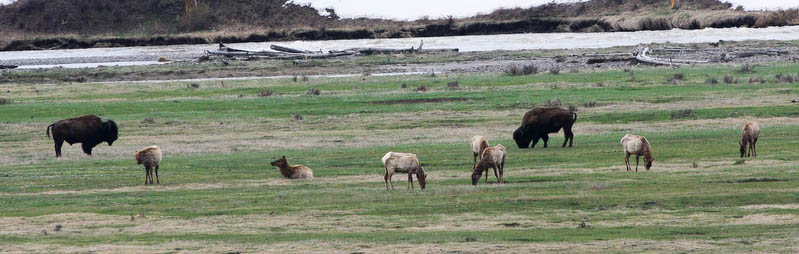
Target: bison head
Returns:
[522, 139]
[110, 132]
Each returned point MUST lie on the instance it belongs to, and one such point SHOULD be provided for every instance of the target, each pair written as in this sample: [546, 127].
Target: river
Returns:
[87, 58]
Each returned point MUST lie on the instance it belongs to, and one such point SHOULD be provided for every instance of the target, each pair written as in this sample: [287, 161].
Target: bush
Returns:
[555, 70]
[516, 70]
[785, 78]
[5, 101]
[685, 113]
[754, 80]
[590, 104]
[198, 18]
[711, 81]
[454, 85]
[421, 88]
[312, 91]
[746, 68]
[265, 93]
[730, 80]
[675, 79]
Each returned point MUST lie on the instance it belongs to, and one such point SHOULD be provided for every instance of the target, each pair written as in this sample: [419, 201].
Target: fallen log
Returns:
[609, 59]
[642, 55]
[8, 66]
[289, 50]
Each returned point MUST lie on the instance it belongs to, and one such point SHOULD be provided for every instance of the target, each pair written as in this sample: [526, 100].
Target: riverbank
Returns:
[573, 60]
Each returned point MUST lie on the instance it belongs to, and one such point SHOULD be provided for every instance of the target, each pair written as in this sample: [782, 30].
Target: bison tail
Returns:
[574, 117]
[48, 129]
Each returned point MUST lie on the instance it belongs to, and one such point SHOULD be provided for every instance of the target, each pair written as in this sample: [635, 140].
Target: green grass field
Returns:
[218, 193]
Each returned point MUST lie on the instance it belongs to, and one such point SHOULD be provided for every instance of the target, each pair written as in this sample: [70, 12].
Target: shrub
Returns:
[753, 80]
[193, 85]
[312, 91]
[5, 101]
[590, 104]
[684, 113]
[265, 93]
[555, 102]
[746, 68]
[730, 80]
[711, 81]
[516, 70]
[421, 88]
[785, 78]
[675, 79]
[454, 85]
[555, 70]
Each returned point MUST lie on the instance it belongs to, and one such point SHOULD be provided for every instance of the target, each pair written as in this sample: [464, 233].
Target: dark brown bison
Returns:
[88, 130]
[539, 122]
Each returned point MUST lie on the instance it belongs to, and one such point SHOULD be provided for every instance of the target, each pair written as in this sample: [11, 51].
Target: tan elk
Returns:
[492, 157]
[403, 163]
[638, 145]
[749, 135]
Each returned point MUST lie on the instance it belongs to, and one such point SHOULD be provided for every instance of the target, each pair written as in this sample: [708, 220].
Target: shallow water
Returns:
[137, 55]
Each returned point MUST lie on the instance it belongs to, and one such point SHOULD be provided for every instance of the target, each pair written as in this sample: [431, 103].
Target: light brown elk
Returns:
[638, 145]
[749, 135]
[403, 163]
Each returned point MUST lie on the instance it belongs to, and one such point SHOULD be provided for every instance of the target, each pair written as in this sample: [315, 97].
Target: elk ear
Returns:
[284, 157]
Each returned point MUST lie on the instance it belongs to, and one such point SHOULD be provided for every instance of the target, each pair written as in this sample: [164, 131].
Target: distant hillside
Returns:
[128, 16]
[50, 24]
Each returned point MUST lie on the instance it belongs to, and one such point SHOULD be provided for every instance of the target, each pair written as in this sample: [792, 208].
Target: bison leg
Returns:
[87, 148]
[567, 132]
[546, 140]
[535, 141]
[58, 144]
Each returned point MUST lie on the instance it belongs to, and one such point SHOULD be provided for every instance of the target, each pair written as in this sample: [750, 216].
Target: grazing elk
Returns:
[292, 172]
[638, 145]
[151, 158]
[89, 130]
[478, 143]
[749, 135]
[403, 163]
[493, 157]
[539, 122]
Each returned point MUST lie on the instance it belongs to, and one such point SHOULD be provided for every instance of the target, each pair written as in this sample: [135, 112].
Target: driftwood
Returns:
[642, 55]
[8, 67]
[289, 50]
[610, 59]
[283, 52]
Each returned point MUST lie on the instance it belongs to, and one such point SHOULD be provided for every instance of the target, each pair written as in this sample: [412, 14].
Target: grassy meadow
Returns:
[218, 193]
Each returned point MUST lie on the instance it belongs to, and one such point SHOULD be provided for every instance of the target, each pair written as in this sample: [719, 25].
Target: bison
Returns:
[539, 122]
[89, 130]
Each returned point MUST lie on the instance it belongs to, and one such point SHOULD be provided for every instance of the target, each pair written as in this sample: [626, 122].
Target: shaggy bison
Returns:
[539, 122]
[88, 130]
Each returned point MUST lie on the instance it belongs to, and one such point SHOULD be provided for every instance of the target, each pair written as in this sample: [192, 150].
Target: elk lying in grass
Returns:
[638, 145]
[292, 172]
[493, 157]
[403, 163]
[749, 135]
[151, 158]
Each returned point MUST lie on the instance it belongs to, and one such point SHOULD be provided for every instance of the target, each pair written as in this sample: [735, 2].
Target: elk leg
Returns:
[495, 173]
[156, 175]
[146, 175]
[486, 180]
[501, 171]
[386, 178]
[627, 161]
[410, 180]
[637, 160]
[754, 144]
[475, 160]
